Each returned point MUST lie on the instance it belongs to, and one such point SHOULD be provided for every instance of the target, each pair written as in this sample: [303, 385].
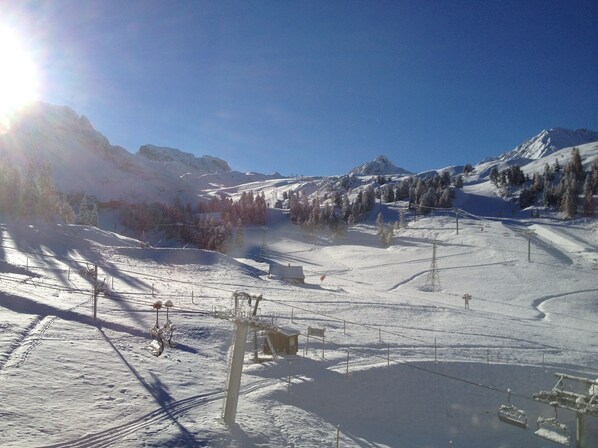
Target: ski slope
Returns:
[402, 366]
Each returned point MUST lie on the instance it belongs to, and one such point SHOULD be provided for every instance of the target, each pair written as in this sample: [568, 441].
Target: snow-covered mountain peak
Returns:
[205, 164]
[549, 141]
[380, 165]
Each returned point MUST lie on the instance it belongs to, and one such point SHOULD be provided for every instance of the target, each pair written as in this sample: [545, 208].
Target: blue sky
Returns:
[316, 88]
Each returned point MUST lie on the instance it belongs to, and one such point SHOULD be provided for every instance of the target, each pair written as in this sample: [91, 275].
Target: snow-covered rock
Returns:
[380, 165]
[204, 165]
[547, 142]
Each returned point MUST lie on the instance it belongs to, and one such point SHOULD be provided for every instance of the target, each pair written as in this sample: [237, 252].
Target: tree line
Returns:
[337, 211]
[212, 225]
[557, 187]
[32, 193]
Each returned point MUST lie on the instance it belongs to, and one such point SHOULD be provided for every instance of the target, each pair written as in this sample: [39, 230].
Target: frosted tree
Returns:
[588, 197]
[594, 174]
[380, 224]
[239, 236]
[387, 235]
[402, 219]
[428, 200]
[576, 164]
[94, 216]
[569, 199]
[84, 215]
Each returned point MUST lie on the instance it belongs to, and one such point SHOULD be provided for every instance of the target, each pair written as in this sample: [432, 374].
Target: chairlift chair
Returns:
[551, 429]
[512, 415]
[156, 347]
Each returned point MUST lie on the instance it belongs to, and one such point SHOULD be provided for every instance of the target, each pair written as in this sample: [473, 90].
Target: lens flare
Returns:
[18, 77]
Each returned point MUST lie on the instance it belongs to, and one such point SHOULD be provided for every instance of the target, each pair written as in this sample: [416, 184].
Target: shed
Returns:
[288, 273]
[284, 341]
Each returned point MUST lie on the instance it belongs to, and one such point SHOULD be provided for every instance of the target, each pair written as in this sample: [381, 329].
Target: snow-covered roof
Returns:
[286, 272]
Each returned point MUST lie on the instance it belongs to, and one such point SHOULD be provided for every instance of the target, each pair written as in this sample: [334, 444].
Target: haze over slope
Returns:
[83, 160]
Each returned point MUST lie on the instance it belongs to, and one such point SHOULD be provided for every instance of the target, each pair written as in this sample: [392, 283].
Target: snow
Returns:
[549, 141]
[400, 365]
[422, 370]
[380, 165]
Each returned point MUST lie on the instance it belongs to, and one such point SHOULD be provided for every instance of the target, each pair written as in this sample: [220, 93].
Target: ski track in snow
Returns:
[31, 338]
[167, 412]
[18, 343]
[463, 336]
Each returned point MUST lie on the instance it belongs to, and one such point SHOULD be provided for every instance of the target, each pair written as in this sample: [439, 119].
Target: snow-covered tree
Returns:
[239, 234]
[380, 224]
[588, 197]
[569, 198]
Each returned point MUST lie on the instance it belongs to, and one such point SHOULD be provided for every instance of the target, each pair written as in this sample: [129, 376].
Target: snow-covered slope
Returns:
[401, 366]
[83, 160]
[202, 165]
[547, 142]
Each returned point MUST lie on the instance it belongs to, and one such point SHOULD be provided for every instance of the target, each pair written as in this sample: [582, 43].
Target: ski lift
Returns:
[156, 347]
[512, 415]
[551, 429]
[168, 328]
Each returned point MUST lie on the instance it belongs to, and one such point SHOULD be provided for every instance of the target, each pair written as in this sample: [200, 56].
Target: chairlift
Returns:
[551, 429]
[166, 334]
[512, 415]
[156, 347]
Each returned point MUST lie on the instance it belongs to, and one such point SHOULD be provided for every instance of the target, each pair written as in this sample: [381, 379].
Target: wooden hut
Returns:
[288, 273]
[285, 341]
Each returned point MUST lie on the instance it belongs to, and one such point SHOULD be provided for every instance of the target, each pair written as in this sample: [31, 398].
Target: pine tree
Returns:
[576, 164]
[588, 198]
[557, 166]
[569, 199]
[594, 173]
[84, 215]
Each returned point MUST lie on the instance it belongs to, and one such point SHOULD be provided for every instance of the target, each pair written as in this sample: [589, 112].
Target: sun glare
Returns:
[18, 77]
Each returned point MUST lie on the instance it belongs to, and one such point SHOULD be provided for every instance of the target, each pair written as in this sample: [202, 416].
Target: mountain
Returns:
[83, 160]
[547, 142]
[380, 165]
[203, 165]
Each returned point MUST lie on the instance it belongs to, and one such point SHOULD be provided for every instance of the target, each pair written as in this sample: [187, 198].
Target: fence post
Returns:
[347, 363]
[344, 328]
[292, 315]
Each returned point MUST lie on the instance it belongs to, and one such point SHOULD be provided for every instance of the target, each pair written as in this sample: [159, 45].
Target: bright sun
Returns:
[18, 80]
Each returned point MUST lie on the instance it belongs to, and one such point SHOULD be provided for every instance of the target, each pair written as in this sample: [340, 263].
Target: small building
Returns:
[284, 341]
[288, 273]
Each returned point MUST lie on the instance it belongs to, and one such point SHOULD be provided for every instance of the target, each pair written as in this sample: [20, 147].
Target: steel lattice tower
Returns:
[433, 279]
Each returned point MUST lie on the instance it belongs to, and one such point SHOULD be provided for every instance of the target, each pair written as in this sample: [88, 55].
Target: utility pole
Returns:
[243, 322]
[529, 245]
[433, 280]
[95, 292]
[263, 246]
[236, 370]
